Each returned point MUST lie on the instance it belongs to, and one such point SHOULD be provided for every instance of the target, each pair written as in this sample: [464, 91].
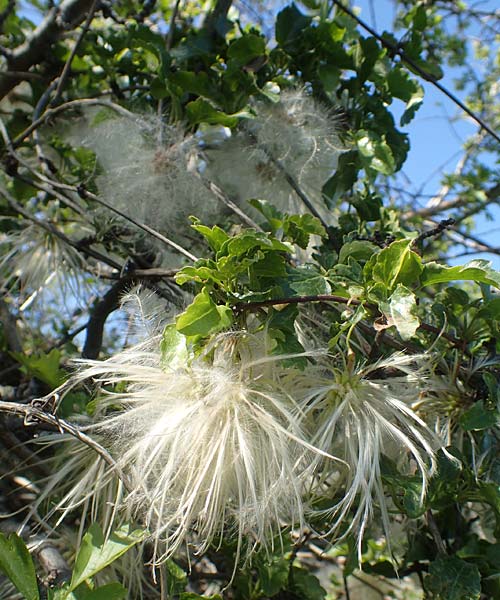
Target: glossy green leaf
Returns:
[246, 48]
[273, 575]
[172, 347]
[97, 552]
[360, 250]
[215, 236]
[479, 271]
[176, 578]
[17, 565]
[45, 367]
[395, 264]
[203, 316]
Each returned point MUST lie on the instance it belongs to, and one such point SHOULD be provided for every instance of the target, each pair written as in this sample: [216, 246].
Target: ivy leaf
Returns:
[203, 316]
[343, 179]
[273, 575]
[451, 578]
[299, 228]
[215, 236]
[195, 83]
[44, 367]
[290, 23]
[478, 270]
[96, 552]
[306, 585]
[413, 104]
[172, 346]
[478, 417]
[402, 307]
[367, 206]
[395, 264]
[357, 249]
[17, 564]
[246, 48]
[376, 152]
[307, 281]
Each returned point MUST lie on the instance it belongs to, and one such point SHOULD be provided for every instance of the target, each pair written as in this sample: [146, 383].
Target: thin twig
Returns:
[33, 414]
[397, 50]
[289, 179]
[86, 194]
[220, 195]
[433, 528]
[52, 112]
[171, 25]
[67, 65]
[54, 231]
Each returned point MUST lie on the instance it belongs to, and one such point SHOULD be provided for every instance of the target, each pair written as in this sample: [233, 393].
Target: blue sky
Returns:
[438, 130]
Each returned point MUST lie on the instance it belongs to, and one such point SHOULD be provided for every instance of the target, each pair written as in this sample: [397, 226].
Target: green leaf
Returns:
[17, 564]
[272, 265]
[402, 307]
[194, 83]
[44, 367]
[376, 152]
[413, 104]
[307, 281]
[367, 206]
[158, 89]
[479, 271]
[357, 249]
[395, 264]
[299, 228]
[290, 23]
[478, 417]
[110, 591]
[400, 84]
[273, 575]
[249, 240]
[202, 111]
[343, 179]
[172, 346]
[96, 552]
[306, 585]
[176, 578]
[215, 236]
[203, 316]
[451, 578]
[246, 48]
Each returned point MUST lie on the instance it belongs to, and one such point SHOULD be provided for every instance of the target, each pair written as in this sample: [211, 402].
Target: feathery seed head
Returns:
[210, 446]
[36, 259]
[359, 416]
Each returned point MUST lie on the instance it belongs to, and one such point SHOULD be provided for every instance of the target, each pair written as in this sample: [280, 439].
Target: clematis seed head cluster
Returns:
[235, 443]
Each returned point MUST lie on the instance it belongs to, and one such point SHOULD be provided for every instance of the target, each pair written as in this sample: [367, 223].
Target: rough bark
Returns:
[65, 17]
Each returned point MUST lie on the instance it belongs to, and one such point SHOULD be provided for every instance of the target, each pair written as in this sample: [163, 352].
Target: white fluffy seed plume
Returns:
[210, 447]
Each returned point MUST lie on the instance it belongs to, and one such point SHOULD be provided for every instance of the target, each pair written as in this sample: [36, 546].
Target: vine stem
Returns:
[242, 306]
[397, 51]
[33, 414]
